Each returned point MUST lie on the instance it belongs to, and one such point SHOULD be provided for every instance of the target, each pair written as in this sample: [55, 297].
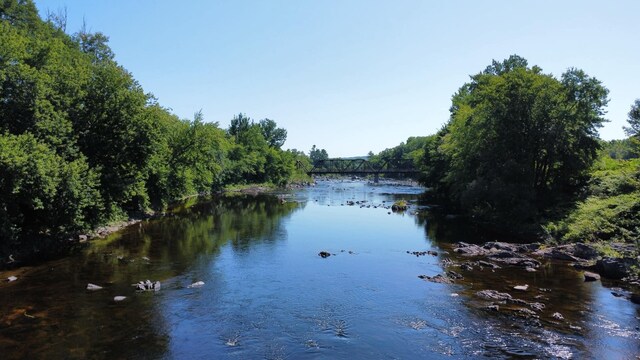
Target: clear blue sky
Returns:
[355, 75]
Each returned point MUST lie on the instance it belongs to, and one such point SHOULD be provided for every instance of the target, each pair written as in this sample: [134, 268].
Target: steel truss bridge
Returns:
[362, 167]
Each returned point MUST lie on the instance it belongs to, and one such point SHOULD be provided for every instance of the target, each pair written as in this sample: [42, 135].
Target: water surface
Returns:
[268, 295]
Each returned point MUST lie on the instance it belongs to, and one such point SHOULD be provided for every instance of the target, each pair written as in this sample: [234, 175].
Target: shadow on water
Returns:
[48, 313]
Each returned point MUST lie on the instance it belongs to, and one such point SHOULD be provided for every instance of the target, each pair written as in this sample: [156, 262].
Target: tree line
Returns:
[521, 150]
[81, 142]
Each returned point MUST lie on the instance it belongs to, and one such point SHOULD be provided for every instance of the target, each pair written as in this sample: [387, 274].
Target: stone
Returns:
[196, 284]
[585, 251]
[521, 287]
[12, 278]
[530, 269]
[493, 307]
[537, 306]
[493, 295]
[156, 286]
[438, 279]
[589, 276]
[526, 313]
[119, 298]
[93, 287]
[613, 268]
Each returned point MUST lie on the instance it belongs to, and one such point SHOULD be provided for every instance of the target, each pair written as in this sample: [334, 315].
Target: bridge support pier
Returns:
[376, 178]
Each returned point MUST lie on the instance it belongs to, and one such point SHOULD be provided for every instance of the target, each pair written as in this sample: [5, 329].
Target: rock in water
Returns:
[196, 284]
[156, 286]
[521, 287]
[12, 278]
[93, 287]
[589, 276]
[119, 298]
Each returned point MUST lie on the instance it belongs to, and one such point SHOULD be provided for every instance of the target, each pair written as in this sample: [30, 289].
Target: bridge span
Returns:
[362, 167]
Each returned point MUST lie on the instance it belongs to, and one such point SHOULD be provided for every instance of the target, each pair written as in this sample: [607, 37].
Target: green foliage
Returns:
[41, 193]
[316, 154]
[274, 135]
[82, 143]
[611, 208]
[634, 120]
[409, 154]
[517, 140]
[621, 149]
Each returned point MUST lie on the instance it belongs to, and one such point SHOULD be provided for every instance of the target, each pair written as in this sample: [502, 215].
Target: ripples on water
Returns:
[268, 295]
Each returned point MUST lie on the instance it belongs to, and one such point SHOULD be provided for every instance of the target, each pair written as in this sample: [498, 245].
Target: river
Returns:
[267, 294]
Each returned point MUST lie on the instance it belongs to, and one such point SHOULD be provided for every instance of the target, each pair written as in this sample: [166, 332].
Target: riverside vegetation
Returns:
[82, 144]
[520, 154]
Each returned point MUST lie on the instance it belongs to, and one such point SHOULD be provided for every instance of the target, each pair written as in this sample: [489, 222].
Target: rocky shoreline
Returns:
[584, 257]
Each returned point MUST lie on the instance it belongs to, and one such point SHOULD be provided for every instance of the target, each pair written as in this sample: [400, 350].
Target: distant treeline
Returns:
[521, 152]
[81, 143]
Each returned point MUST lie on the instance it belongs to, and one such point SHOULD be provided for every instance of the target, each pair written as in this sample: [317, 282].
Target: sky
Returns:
[353, 76]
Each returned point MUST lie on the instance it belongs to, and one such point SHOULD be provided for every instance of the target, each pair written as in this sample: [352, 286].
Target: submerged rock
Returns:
[439, 279]
[196, 284]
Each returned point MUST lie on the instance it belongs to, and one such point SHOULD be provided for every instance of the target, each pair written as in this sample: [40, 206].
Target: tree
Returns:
[316, 154]
[41, 193]
[239, 125]
[517, 139]
[274, 135]
[634, 120]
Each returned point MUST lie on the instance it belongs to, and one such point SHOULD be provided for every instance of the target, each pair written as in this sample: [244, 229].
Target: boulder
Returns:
[613, 268]
[589, 276]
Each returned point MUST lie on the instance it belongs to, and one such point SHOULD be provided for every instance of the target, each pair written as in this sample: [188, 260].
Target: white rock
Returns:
[12, 278]
[93, 287]
[521, 287]
[119, 298]
[196, 284]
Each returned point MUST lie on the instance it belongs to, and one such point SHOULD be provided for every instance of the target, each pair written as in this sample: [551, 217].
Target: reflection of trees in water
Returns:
[202, 229]
[71, 323]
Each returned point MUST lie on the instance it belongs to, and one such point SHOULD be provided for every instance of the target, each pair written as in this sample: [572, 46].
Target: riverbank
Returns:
[37, 250]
